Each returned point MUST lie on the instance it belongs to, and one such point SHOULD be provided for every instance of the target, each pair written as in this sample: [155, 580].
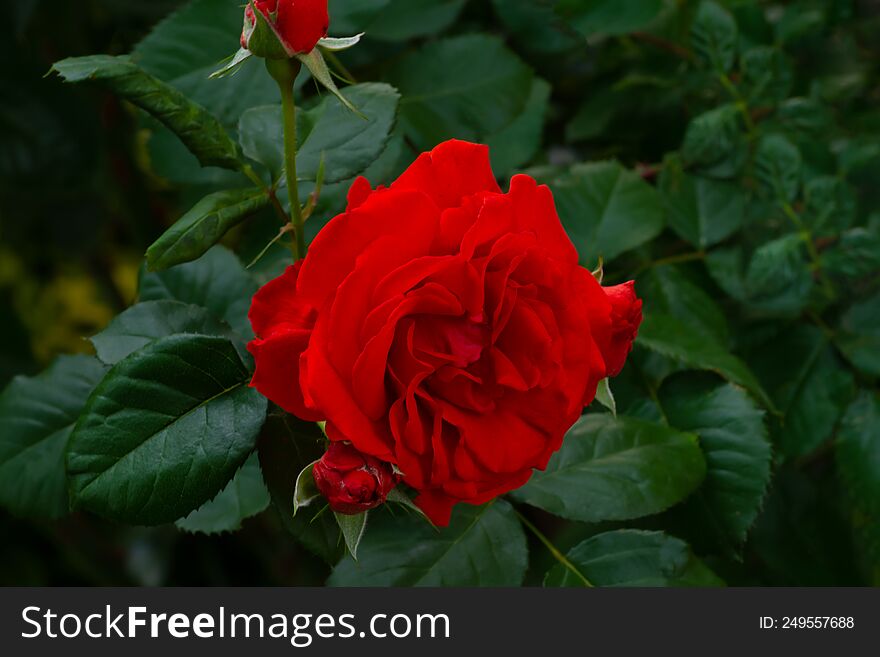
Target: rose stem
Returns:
[284, 71]
[561, 558]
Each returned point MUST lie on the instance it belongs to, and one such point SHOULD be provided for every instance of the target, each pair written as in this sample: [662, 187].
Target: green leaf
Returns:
[702, 211]
[715, 144]
[443, 98]
[633, 558]
[714, 36]
[804, 115]
[778, 165]
[854, 255]
[164, 431]
[778, 278]
[734, 440]
[216, 281]
[146, 322]
[666, 290]
[287, 446]
[244, 497]
[352, 528]
[348, 143]
[616, 469]
[483, 546]
[203, 226]
[197, 128]
[607, 210]
[830, 205]
[669, 336]
[858, 461]
[518, 142]
[393, 20]
[605, 397]
[766, 75]
[536, 26]
[807, 383]
[185, 49]
[36, 417]
[859, 336]
[611, 17]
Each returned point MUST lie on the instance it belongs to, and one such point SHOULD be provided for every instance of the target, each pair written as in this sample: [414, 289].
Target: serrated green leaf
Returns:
[734, 440]
[393, 20]
[442, 99]
[203, 226]
[714, 36]
[804, 115]
[607, 210]
[609, 17]
[810, 388]
[347, 143]
[854, 255]
[36, 418]
[858, 461]
[702, 210]
[778, 277]
[164, 431]
[778, 166]
[666, 290]
[146, 322]
[216, 281]
[197, 128]
[518, 142]
[671, 337]
[830, 205]
[244, 497]
[714, 142]
[628, 557]
[766, 75]
[187, 46]
[483, 546]
[859, 336]
[616, 469]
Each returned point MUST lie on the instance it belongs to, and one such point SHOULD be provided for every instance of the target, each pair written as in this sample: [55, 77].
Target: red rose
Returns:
[626, 316]
[443, 326]
[351, 481]
[298, 24]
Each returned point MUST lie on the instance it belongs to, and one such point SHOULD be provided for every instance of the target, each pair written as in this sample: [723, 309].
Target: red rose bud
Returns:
[286, 27]
[626, 316]
[353, 482]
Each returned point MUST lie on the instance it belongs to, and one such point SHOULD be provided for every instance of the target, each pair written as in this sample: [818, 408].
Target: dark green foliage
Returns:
[722, 154]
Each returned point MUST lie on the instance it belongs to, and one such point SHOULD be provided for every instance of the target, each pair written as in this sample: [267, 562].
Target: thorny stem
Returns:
[248, 170]
[284, 72]
[561, 558]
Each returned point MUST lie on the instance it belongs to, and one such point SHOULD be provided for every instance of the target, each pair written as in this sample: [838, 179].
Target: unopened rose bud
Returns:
[626, 317]
[286, 27]
[353, 482]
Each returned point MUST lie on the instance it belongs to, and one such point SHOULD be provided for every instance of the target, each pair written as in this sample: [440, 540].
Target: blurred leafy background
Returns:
[732, 158]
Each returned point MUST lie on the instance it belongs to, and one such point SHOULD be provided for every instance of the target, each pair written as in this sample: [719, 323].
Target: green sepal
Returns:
[314, 61]
[353, 528]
